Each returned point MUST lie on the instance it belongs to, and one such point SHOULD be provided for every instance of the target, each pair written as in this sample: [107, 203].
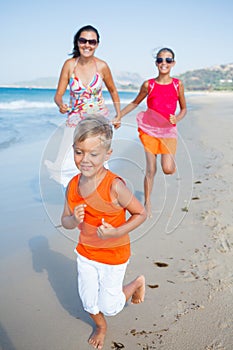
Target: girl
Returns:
[157, 126]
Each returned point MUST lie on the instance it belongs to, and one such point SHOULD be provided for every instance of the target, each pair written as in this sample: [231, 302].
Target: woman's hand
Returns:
[63, 108]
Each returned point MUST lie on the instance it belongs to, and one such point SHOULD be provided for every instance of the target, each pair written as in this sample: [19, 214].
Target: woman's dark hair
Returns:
[87, 28]
[166, 49]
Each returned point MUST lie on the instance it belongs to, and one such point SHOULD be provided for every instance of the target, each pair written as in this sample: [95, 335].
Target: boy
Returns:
[96, 203]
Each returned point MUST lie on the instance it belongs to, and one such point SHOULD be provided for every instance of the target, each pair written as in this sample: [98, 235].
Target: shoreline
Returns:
[188, 92]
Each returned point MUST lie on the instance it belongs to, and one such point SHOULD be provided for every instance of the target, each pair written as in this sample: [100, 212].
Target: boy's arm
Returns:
[126, 200]
[69, 220]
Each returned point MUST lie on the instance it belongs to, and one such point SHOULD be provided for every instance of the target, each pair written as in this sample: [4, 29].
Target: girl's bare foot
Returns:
[139, 294]
[97, 338]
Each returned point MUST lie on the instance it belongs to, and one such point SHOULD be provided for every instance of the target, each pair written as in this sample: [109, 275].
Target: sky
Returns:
[37, 36]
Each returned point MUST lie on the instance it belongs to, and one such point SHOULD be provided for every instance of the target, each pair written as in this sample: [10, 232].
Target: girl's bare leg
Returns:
[98, 336]
[168, 163]
[151, 161]
[135, 290]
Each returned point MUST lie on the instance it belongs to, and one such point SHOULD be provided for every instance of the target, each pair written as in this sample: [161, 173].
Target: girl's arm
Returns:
[182, 103]
[61, 88]
[140, 97]
[127, 200]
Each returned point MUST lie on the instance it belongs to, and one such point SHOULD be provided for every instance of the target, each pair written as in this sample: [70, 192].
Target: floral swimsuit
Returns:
[85, 100]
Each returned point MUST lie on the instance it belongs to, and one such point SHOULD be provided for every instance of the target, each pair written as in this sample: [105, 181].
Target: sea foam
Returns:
[22, 104]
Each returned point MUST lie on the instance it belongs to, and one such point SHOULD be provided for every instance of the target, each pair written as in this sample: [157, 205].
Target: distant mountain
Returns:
[123, 81]
[214, 78]
[128, 80]
[46, 82]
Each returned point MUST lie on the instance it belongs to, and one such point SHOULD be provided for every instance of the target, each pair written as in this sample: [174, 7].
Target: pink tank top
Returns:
[163, 98]
[161, 102]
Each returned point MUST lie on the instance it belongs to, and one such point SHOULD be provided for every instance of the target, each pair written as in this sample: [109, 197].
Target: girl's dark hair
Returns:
[166, 49]
[87, 28]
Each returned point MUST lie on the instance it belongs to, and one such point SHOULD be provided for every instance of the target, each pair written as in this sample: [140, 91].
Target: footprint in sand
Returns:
[160, 264]
[116, 345]
[153, 286]
[223, 246]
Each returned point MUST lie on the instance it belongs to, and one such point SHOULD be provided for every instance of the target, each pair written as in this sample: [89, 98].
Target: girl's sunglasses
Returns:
[169, 60]
[91, 42]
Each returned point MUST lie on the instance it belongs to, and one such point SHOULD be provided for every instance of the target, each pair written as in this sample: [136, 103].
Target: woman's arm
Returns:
[108, 80]
[62, 86]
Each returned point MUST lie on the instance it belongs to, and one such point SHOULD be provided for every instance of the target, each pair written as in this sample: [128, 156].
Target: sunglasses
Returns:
[91, 42]
[169, 60]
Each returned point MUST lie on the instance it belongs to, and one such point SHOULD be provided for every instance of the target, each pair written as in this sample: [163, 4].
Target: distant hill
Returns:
[127, 80]
[214, 78]
[123, 81]
[45, 82]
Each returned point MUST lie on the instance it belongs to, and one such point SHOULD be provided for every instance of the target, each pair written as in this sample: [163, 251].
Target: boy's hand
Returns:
[79, 213]
[106, 230]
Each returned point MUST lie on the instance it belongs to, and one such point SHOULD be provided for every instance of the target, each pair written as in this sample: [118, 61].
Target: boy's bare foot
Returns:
[97, 338]
[138, 295]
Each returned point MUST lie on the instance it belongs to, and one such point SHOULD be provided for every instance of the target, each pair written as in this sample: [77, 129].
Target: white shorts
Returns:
[100, 286]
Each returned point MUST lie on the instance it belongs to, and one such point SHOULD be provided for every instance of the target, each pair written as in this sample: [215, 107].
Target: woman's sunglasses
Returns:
[91, 42]
[169, 60]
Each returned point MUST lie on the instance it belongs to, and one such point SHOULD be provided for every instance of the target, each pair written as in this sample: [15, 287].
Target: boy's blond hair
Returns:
[94, 126]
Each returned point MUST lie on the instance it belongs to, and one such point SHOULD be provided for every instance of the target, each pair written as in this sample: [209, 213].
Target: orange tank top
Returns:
[112, 251]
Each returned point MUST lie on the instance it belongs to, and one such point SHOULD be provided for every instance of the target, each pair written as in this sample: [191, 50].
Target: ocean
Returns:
[30, 114]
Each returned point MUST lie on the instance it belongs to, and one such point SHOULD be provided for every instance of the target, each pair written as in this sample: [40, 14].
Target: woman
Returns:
[84, 74]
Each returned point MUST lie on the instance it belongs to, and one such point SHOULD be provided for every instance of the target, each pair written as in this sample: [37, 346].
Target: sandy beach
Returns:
[185, 251]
